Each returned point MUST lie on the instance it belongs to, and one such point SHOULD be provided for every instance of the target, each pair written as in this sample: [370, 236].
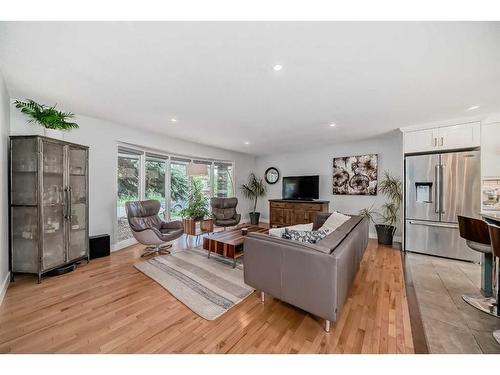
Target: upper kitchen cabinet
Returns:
[490, 150]
[421, 140]
[443, 138]
[460, 136]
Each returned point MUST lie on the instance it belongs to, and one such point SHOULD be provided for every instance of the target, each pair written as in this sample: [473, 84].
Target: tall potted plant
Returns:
[388, 214]
[53, 121]
[254, 189]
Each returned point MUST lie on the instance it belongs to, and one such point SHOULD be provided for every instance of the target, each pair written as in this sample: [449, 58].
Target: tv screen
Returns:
[301, 187]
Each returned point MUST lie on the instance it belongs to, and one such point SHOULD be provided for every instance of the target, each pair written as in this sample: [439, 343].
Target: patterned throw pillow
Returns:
[312, 236]
[278, 232]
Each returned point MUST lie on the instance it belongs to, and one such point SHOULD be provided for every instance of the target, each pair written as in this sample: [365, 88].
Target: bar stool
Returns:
[476, 234]
[495, 246]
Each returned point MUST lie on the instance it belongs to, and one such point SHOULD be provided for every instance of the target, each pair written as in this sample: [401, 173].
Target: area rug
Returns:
[209, 287]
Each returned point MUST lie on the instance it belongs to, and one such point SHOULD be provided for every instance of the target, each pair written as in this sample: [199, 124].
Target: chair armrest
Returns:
[177, 224]
[237, 217]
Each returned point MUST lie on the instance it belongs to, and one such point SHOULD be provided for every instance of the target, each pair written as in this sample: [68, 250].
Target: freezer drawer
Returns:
[436, 238]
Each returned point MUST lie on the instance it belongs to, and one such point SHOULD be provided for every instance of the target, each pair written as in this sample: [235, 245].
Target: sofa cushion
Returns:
[278, 232]
[333, 239]
[304, 235]
[334, 221]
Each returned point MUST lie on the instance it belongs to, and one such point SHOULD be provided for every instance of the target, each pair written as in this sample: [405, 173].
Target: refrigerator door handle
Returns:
[429, 224]
[441, 187]
[437, 192]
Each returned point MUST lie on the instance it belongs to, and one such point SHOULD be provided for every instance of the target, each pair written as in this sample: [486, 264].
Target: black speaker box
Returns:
[99, 246]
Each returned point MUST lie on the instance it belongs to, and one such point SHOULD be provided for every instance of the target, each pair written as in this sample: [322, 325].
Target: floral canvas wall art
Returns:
[355, 175]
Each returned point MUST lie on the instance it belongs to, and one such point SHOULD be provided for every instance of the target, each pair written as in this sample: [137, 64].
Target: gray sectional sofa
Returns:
[313, 277]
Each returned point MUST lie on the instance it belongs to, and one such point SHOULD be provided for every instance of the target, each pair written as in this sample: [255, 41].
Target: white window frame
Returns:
[169, 158]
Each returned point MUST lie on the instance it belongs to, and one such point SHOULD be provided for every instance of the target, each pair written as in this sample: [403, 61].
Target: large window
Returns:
[144, 175]
[223, 183]
[155, 184]
[128, 189]
[179, 188]
[202, 177]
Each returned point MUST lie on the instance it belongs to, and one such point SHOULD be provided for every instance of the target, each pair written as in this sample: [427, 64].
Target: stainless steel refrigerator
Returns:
[438, 188]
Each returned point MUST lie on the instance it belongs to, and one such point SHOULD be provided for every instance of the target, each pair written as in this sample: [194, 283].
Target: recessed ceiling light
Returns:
[332, 124]
[473, 108]
[247, 143]
[173, 119]
[278, 67]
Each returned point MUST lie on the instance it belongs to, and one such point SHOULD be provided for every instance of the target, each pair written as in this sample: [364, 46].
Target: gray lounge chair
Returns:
[224, 212]
[148, 229]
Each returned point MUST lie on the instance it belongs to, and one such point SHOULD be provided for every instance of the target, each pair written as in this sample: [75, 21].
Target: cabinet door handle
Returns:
[435, 141]
[70, 216]
[441, 142]
[66, 203]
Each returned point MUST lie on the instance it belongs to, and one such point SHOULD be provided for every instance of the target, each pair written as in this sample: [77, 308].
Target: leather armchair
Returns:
[148, 229]
[224, 212]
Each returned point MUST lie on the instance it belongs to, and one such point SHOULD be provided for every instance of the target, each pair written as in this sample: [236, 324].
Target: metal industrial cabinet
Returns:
[49, 206]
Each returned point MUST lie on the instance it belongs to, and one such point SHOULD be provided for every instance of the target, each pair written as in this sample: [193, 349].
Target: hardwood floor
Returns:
[108, 306]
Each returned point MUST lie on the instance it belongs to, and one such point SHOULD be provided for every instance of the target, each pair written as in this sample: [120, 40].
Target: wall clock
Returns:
[272, 175]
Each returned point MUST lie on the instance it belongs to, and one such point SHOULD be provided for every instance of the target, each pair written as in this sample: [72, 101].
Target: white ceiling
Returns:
[217, 78]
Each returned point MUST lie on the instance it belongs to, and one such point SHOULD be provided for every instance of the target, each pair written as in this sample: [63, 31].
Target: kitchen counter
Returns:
[491, 215]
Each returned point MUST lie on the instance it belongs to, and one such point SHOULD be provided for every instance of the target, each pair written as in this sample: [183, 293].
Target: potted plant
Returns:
[197, 207]
[53, 121]
[391, 187]
[254, 189]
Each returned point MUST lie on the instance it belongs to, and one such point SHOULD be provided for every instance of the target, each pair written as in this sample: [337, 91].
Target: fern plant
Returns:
[197, 202]
[48, 117]
[392, 188]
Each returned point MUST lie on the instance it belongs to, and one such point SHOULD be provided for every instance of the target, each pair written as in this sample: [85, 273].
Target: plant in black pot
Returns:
[197, 207]
[386, 218]
[254, 189]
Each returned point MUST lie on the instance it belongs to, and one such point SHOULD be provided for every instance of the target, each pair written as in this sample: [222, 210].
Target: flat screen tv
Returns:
[301, 187]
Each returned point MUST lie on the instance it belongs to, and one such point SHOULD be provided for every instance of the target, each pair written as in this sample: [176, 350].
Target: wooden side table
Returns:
[205, 225]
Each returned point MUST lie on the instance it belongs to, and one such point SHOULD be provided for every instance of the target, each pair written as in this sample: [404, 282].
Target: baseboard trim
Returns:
[123, 244]
[373, 236]
[4, 286]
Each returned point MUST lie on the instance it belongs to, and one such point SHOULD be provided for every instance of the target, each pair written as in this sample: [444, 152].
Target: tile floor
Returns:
[451, 325]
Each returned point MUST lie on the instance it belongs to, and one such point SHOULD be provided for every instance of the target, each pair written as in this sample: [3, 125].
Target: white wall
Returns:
[102, 137]
[4, 211]
[320, 160]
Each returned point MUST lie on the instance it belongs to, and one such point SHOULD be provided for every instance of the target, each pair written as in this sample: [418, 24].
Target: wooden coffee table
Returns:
[229, 243]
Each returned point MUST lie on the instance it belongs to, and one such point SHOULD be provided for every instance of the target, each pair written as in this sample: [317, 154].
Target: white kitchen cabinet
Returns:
[490, 150]
[443, 138]
[459, 136]
[421, 140]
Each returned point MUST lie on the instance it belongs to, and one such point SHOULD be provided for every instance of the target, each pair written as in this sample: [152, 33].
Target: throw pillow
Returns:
[304, 235]
[278, 232]
[335, 220]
